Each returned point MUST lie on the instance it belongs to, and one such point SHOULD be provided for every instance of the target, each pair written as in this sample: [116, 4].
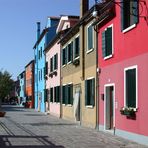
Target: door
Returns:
[109, 107]
[76, 102]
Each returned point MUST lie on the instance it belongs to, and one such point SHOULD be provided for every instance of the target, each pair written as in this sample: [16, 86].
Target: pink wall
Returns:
[130, 49]
[55, 80]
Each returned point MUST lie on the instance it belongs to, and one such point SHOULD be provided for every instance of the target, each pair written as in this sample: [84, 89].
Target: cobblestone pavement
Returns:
[26, 128]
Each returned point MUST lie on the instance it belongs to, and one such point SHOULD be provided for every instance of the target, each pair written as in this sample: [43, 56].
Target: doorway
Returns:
[109, 107]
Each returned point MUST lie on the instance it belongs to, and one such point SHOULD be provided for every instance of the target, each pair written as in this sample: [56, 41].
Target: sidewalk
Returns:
[26, 128]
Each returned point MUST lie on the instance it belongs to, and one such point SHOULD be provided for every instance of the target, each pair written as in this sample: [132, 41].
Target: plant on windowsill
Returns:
[76, 62]
[127, 111]
[51, 75]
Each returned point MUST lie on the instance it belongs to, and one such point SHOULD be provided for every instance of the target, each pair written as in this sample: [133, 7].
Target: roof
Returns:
[55, 39]
[29, 63]
[40, 38]
[101, 7]
[54, 17]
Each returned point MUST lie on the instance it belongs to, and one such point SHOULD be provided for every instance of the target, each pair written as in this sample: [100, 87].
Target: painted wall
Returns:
[29, 72]
[129, 49]
[55, 80]
[22, 88]
[39, 68]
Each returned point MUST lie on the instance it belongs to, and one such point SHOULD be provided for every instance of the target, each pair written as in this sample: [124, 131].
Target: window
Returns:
[90, 38]
[76, 47]
[41, 52]
[55, 61]
[70, 52]
[129, 13]
[51, 64]
[90, 92]
[46, 95]
[57, 94]
[67, 92]
[107, 43]
[51, 94]
[64, 56]
[130, 86]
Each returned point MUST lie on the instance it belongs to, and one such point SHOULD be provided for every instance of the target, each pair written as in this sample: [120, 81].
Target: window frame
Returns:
[126, 69]
[74, 47]
[111, 55]
[89, 50]
[93, 104]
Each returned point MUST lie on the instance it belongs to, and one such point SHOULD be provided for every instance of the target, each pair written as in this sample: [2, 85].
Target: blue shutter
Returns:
[135, 11]
[122, 15]
[86, 91]
[90, 38]
[103, 44]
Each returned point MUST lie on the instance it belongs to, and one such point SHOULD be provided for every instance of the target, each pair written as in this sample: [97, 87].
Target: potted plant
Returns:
[2, 113]
[127, 111]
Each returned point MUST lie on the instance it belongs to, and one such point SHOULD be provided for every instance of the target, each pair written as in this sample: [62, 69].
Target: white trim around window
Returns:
[111, 55]
[129, 28]
[89, 50]
[130, 68]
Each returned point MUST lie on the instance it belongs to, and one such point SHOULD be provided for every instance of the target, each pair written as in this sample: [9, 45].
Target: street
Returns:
[27, 128]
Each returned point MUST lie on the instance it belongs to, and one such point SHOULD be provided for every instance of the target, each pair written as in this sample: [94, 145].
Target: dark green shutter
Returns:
[103, 44]
[86, 91]
[58, 93]
[108, 37]
[135, 11]
[71, 94]
[51, 94]
[55, 99]
[63, 94]
[66, 94]
[92, 99]
[122, 15]
[62, 56]
[56, 61]
[90, 38]
[71, 54]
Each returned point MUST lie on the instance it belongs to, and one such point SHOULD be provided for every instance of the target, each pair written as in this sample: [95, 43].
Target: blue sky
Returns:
[18, 28]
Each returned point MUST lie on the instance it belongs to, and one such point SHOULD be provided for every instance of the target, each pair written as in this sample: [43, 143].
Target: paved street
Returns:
[26, 128]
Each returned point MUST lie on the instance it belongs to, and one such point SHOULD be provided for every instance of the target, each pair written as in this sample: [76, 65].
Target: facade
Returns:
[53, 64]
[78, 71]
[29, 87]
[122, 58]
[42, 41]
[22, 97]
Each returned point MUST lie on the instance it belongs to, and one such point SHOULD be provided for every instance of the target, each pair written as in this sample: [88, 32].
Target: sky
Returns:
[18, 28]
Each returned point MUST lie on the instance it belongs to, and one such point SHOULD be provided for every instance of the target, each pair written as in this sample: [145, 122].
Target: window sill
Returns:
[129, 28]
[69, 105]
[77, 58]
[89, 106]
[63, 66]
[90, 50]
[108, 57]
[69, 62]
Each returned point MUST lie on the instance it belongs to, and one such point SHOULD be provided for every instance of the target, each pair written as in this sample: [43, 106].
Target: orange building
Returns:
[29, 84]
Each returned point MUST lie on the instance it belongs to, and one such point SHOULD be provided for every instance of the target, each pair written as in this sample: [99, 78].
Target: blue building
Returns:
[21, 79]
[43, 39]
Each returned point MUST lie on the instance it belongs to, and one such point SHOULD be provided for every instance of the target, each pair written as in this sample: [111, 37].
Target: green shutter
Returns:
[66, 94]
[71, 94]
[62, 56]
[122, 15]
[58, 93]
[103, 44]
[51, 94]
[63, 94]
[56, 61]
[135, 11]
[92, 99]
[90, 37]
[86, 91]
[71, 54]
[108, 37]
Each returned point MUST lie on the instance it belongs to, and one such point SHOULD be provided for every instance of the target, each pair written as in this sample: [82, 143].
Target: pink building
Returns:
[123, 69]
[53, 65]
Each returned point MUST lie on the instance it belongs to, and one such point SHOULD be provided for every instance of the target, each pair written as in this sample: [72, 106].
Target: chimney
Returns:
[84, 6]
[38, 30]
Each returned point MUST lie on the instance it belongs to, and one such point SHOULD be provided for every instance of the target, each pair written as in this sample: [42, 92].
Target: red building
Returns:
[29, 84]
[122, 28]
